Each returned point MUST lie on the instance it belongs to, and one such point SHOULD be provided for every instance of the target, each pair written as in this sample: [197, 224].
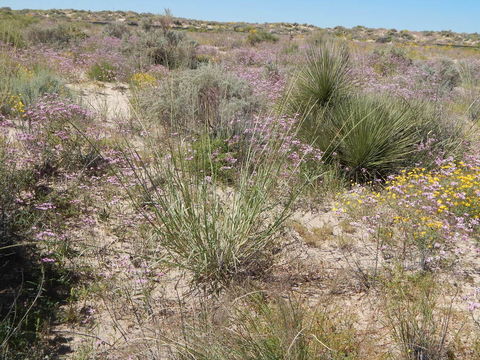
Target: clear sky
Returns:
[456, 15]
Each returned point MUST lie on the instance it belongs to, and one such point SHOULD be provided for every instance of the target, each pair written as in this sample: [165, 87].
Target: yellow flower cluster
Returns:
[16, 105]
[454, 188]
[143, 79]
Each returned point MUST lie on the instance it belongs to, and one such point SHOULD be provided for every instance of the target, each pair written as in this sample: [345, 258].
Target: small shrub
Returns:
[102, 71]
[31, 86]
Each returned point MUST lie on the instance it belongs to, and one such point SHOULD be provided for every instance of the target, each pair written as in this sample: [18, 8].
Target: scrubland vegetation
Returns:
[243, 193]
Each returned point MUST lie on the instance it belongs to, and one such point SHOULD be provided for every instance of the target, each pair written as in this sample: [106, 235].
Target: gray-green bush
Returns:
[169, 48]
[192, 100]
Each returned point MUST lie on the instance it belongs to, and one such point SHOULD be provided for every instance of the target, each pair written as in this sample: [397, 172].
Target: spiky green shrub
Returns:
[366, 136]
[371, 137]
[323, 81]
[192, 100]
[258, 328]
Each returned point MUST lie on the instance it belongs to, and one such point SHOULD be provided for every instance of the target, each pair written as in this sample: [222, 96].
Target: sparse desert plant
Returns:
[171, 49]
[420, 325]
[257, 327]
[117, 30]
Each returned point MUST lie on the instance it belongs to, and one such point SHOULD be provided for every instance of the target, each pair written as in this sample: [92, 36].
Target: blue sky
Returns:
[457, 15]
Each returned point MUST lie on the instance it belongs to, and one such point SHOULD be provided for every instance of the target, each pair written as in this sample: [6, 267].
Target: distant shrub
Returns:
[116, 30]
[169, 48]
[448, 73]
[389, 60]
[192, 100]
[384, 39]
[258, 36]
[11, 34]
[57, 34]
[102, 71]
[405, 34]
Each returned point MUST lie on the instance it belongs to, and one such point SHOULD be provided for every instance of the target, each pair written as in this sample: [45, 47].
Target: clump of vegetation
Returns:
[324, 81]
[60, 34]
[21, 86]
[102, 71]
[31, 289]
[258, 36]
[117, 30]
[219, 235]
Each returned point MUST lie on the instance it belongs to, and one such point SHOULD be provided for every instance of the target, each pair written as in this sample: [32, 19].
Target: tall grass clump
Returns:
[260, 328]
[190, 100]
[11, 34]
[217, 233]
